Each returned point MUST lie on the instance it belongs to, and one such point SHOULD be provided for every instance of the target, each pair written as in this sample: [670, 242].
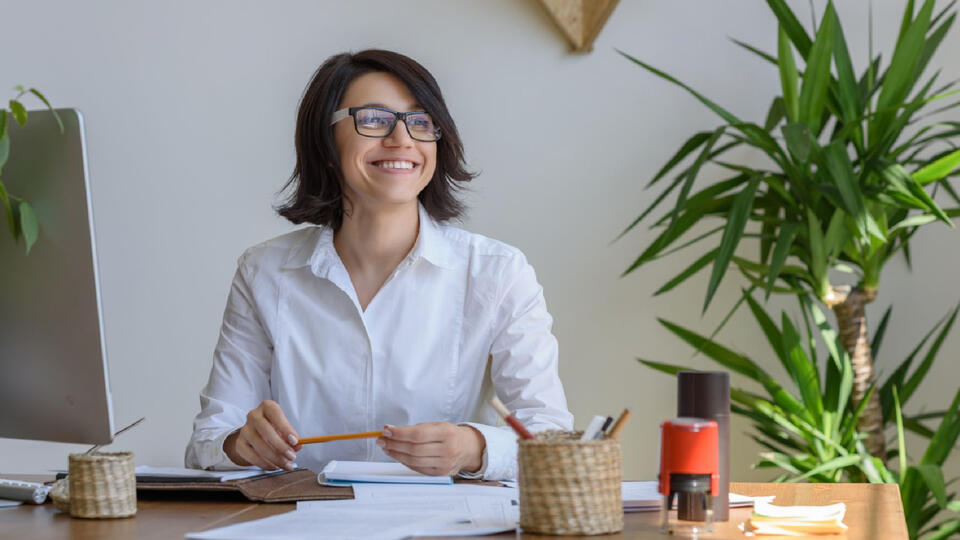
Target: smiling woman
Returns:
[380, 315]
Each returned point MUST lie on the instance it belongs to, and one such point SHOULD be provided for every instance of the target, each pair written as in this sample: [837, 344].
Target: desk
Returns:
[873, 511]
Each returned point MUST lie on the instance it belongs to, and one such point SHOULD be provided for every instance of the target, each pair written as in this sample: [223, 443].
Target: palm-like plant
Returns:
[852, 174]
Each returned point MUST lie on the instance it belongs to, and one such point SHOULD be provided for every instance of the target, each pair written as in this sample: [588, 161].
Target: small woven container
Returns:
[568, 486]
[102, 485]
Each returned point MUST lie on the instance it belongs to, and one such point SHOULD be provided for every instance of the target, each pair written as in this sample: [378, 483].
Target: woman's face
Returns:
[370, 165]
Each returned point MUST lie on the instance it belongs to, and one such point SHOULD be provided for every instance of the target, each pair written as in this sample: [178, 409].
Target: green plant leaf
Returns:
[720, 111]
[3, 125]
[901, 443]
[938, 169]
[694, 170]
[18, 111]
[788, 232]
[880, 331]
[944, 440]
[800, 368]
[921, 372]
[4, 150]
[669, 369]
[53, 111]
[775, 113]
[28, 224]
[736, 221]
[768, 327]
[841, 174]
[816, 78]
[830, 466]
[933, 476]
[12, 221]
[792, 26]
[724, 356]
[896, 174]
[799, 140]
[688, 272]
[788, 76]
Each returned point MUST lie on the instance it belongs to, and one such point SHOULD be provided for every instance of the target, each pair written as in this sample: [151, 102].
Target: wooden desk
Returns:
[873, 511]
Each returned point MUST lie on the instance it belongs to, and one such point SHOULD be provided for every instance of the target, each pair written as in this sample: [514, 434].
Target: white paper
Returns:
[481, 514]
[801, 513]
[336, 523]
[4, 503]
[177, 472]
[338, 472]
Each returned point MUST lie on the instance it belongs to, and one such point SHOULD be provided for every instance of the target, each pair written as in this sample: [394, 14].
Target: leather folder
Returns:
[289, 486]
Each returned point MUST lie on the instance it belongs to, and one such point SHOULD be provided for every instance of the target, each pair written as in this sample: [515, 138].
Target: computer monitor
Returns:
[53, 367]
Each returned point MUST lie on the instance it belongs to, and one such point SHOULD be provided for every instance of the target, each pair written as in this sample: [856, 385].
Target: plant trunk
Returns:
[848, 305]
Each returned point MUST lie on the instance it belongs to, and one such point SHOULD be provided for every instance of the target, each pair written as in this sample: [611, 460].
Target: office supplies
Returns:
[510, 418]
[344, 437]
[706, 394]
[593, 429]
[146, 473]
[569, 486]
[102, 485]
[795, 520]
[348, 472]
[619, 424]
[606, 426]
[16, 490]
[335, 522]
[688, 475]
[55, 383]
[282, 486]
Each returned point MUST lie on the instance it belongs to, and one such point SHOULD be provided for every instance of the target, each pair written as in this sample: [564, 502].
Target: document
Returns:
[146, 473]
[337, 522]
[348, 472]
[485, 509]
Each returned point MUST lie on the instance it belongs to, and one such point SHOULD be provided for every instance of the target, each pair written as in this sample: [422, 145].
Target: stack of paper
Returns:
[350, 472]
[795, 520]
[146, 473]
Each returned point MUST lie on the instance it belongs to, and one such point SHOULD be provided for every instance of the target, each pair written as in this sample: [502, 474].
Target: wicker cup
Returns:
[568, 486]
[102, 485]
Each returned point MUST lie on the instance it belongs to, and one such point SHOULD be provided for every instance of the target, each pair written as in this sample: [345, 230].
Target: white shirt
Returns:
[462, 316]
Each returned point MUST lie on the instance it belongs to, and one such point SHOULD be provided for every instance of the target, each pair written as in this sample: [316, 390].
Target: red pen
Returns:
[510, 418]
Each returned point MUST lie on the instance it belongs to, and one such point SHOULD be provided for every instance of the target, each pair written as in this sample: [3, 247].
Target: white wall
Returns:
[190, 110]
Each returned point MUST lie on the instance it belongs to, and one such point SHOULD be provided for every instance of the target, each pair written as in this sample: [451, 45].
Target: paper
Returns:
[4, 503]
[338, 522]
[190, 474]
[480, 514]
[348, 472]
[769, 519]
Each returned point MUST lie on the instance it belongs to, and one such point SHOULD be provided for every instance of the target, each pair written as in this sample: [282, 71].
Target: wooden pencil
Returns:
[344, 437]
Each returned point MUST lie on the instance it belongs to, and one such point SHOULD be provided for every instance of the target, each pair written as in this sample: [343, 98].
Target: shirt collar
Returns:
[432, 245]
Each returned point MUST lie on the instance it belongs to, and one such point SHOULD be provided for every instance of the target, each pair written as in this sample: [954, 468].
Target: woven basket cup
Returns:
[568, 486]
[102, 485]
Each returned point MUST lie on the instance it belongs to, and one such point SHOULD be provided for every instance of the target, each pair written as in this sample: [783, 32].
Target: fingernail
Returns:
[381, 443]
[292, 439]
[290, 455]
[288, 466]
[387, 431]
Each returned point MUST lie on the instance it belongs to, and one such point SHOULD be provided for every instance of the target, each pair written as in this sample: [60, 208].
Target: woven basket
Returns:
[102, 485]
[568, 486]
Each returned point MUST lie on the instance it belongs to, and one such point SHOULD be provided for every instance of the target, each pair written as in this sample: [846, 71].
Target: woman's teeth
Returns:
[394, 164]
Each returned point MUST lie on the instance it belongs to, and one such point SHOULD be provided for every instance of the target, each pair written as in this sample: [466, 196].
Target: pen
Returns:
[621, 421]
[606, 426]
[510, 418]
[345, 436]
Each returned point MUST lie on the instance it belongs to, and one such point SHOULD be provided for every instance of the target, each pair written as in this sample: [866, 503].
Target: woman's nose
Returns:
[399, 136]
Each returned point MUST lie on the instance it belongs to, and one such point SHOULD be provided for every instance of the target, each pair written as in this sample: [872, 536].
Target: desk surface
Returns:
[871, 508]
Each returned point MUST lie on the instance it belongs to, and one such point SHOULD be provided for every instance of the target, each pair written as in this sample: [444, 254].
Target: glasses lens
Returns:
[374, 122]
[421, 127]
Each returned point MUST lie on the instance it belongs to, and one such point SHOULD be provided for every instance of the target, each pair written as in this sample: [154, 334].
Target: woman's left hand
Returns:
[435, 448]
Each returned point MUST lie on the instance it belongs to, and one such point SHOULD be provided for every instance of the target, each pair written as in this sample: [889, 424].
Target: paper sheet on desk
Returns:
[177, 472]
[335, 523]
[488, 509]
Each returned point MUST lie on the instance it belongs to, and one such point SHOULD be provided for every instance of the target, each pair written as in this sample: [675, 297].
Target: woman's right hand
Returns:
[267, 440]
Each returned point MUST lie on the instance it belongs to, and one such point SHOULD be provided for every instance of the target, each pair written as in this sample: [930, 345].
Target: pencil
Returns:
[344, 437]
[621, 421]
[510, 418]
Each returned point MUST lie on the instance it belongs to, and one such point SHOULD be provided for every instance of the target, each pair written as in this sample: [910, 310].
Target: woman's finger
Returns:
[251, 456]
[419, 433]
[269, 434]
[274, 414]
[266, 452]
[430, 449]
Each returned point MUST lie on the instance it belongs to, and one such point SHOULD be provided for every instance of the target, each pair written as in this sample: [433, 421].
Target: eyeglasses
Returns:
[378, 122]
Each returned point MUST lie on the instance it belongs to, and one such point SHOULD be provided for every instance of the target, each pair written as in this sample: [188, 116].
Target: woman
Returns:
[380, 316]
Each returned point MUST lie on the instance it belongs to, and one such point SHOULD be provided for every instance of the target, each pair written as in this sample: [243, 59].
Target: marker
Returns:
[510, 418]
[606, 426]
[593, 428]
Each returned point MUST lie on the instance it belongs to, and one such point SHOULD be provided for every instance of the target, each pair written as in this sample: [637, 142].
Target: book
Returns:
[349, 472]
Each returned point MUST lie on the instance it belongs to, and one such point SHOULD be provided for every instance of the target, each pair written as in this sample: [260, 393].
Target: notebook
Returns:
[349, 472]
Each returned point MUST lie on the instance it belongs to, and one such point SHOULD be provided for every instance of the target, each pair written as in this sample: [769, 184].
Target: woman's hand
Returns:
[267, 440]
[435, 448]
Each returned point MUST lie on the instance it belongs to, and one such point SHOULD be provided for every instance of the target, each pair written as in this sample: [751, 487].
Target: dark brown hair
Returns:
[317, 181]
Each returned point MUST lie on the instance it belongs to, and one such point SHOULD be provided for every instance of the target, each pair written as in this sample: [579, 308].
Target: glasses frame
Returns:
[397, 117]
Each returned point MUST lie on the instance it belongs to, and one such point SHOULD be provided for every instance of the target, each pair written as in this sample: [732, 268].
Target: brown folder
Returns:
[291, 486]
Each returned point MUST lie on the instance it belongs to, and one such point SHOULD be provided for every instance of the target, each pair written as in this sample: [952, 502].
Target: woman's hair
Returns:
[317, 181]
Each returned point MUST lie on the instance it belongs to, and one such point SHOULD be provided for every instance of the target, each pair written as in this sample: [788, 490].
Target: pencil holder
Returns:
[102, 485]
[569, 486]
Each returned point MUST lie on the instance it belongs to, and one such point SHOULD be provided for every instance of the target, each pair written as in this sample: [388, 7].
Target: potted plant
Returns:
[850, 174]
[21, 218]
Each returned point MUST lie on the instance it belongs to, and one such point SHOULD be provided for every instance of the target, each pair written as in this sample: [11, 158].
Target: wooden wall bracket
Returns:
[580, 20]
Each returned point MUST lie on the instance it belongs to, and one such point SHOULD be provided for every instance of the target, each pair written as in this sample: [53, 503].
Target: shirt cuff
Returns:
[209, 454]
[500, 454]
